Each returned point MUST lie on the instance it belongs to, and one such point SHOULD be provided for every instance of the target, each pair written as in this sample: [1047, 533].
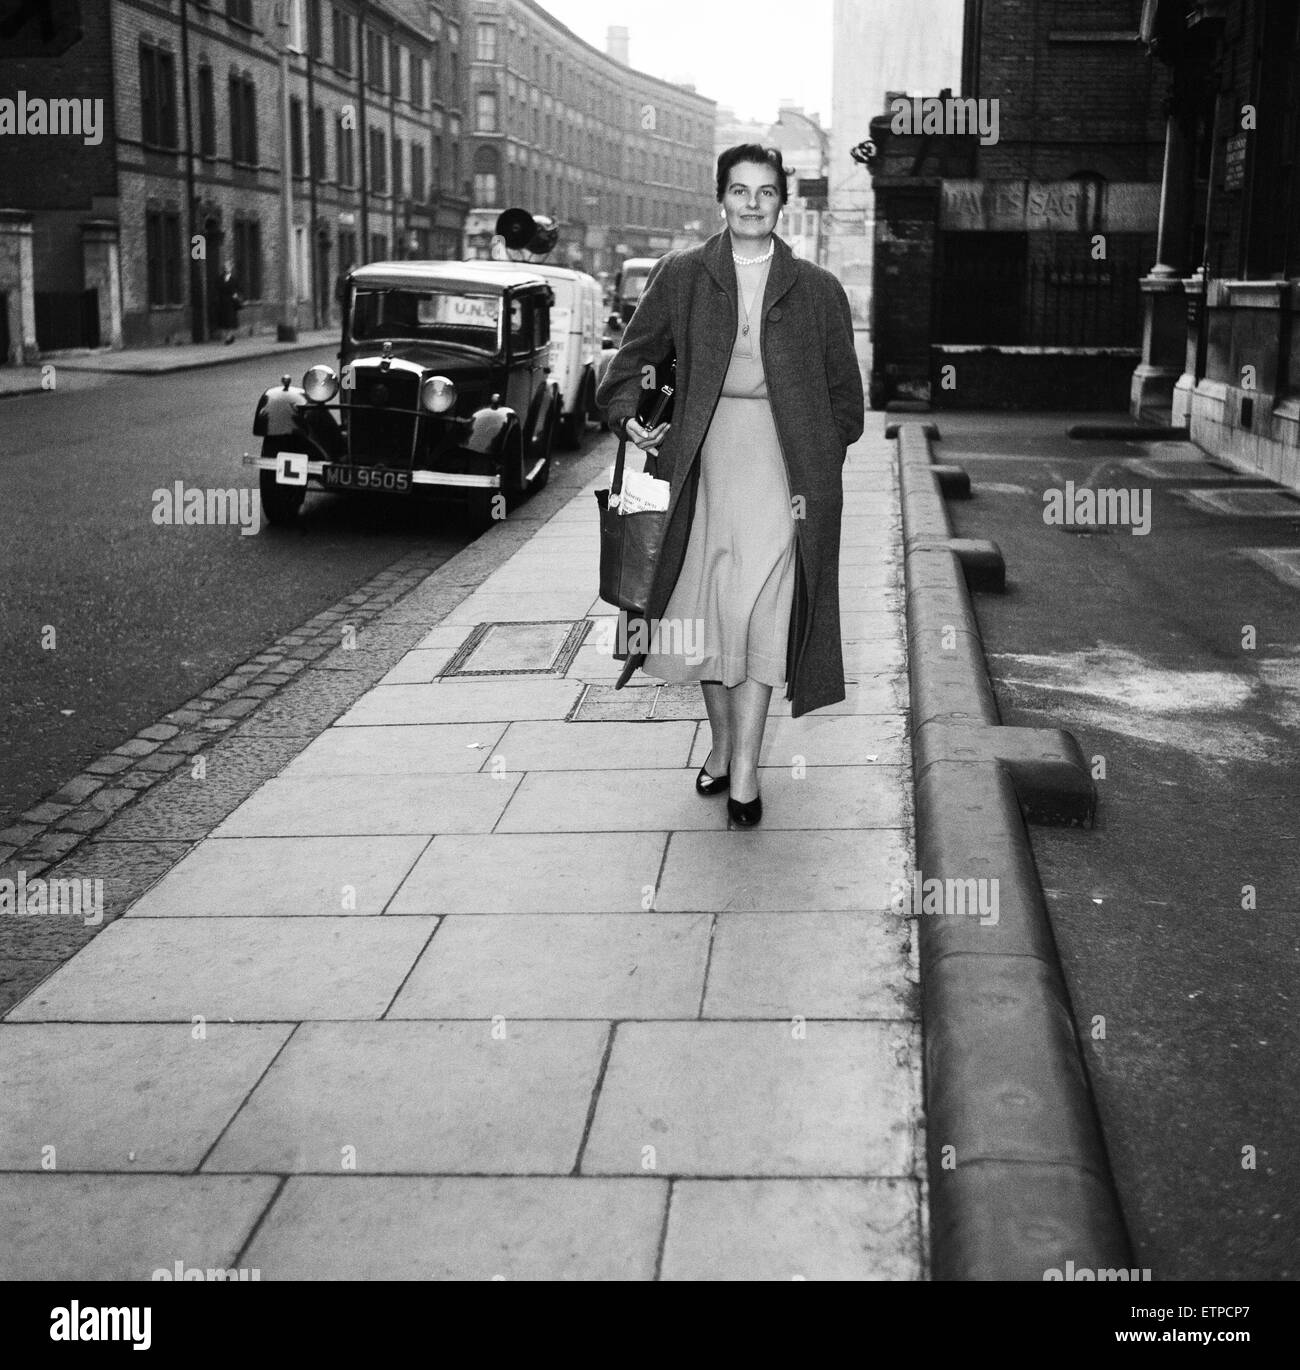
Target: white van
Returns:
[577, 326]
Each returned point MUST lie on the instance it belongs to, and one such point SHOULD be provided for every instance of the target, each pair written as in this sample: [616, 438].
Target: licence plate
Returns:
[377, 478]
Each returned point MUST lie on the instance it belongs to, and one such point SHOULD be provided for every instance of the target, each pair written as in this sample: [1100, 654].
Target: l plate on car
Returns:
[291, 468]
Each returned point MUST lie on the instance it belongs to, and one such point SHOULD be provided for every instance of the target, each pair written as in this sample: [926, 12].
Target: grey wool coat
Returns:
[815, 389]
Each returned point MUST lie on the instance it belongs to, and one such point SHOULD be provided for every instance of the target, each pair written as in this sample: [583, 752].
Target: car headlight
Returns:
[438, 394]
[320, 384]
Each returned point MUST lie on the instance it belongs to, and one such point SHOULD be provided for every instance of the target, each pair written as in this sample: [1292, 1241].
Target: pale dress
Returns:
[728, 616]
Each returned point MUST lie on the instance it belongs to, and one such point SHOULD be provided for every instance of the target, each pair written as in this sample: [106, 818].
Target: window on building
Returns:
[378, 151]
[243, 121]
[417, 174]
[435, 71]
[157, 97]
[318, 143]
[315, 30]
[346, 158]
[297, 161]
[487, 43]
[399, 179]
[417, 81]
[435, 165]
[485, 111]
[162, 232]
[378, 247]
[241, 11]
[375, 60]
[487, 171]
[342, 24]
[395, 65]
[248, 257]
[207, 113]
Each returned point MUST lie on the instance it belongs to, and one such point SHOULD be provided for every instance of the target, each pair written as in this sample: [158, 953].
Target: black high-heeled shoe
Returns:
[748, 815]
[708, 786]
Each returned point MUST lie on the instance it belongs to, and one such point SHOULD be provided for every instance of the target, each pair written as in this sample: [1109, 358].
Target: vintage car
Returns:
[630, 283]
[443, 389]
[576, 324]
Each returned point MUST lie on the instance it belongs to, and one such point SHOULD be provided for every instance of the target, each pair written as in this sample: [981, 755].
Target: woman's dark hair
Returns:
[752, 152]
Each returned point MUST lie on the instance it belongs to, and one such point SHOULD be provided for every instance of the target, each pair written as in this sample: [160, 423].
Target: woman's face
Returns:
[752, 200]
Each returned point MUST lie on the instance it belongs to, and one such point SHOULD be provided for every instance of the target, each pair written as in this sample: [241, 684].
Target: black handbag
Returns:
[629, 548]
[656, 403]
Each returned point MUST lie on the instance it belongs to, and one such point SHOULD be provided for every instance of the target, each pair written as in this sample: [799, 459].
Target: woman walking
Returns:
[768, 400]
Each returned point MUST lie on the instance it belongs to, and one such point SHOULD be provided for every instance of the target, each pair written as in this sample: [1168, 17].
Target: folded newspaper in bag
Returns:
[641, 494]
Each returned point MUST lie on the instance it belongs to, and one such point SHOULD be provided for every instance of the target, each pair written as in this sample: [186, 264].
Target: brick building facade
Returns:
[621, 160]
[187, 175]
[1007, 262]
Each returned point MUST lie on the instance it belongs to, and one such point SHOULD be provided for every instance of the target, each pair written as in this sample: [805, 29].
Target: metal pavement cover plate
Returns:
[518, 649]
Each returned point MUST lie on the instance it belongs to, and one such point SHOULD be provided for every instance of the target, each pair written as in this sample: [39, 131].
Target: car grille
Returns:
[377, 434]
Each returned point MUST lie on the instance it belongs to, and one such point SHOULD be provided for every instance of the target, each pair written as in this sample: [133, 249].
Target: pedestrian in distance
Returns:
[768, 399]
[229, 302]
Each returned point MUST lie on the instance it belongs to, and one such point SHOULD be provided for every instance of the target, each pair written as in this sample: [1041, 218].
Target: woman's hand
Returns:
[647, 439]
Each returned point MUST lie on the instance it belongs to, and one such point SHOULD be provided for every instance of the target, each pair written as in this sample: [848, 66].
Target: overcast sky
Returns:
[748, 55]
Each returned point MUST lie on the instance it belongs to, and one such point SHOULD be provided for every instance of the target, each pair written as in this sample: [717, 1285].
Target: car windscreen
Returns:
[445, 316]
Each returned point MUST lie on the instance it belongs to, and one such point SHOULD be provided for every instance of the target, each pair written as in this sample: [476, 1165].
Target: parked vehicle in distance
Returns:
[442, 391]
[577, 317]
[631, 282]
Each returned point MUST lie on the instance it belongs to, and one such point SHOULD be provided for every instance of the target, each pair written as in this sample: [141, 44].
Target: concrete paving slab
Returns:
[793, 1229]
[283, 877]
[124, 1227]
[858, 625]
[550, 746]
[366, 805]
[824, 797]
[533, 873]
[881, 657]
[823, 740]
[592, 965]
[878, 694]
[610, 801]
[511, 606]
[412, 1228]
[740, 1099]
[809, 965]
[419, 667]
[124, 1096]
[245, 969]
[420, 1098]
[594, 663]
[479, 701]
[776, 871]
[444, 636]
[403, 749]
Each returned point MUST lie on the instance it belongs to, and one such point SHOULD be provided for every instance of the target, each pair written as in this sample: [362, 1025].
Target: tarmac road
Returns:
[1138, 644]
[147, 615]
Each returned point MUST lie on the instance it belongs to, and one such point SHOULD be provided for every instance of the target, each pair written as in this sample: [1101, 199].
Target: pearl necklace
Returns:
[753, 261]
